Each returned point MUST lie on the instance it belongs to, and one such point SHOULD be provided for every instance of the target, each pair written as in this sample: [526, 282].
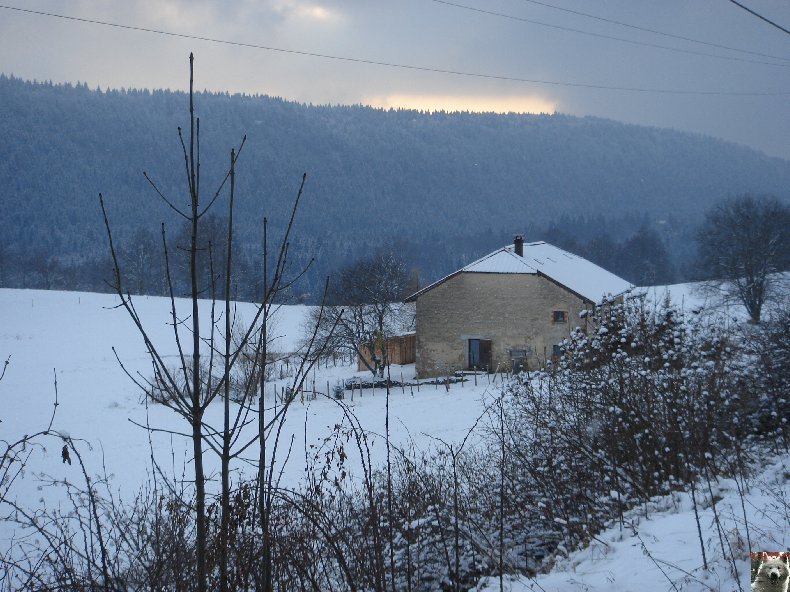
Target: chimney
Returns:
[518, 245]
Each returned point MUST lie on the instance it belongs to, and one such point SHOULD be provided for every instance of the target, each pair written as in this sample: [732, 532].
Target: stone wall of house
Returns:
[514, 311]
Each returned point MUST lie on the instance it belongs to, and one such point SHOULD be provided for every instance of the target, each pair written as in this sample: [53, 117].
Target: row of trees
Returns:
[641, 257]
[741, 249]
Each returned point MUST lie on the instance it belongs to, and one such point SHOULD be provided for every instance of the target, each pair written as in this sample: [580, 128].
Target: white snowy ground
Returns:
[658, 548]
[71, 335]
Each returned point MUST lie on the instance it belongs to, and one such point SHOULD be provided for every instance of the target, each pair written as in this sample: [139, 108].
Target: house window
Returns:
[556, 351]
[559, 316]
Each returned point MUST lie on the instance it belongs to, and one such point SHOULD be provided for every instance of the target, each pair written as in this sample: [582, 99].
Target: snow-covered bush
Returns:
[769, 346]
[645, 402]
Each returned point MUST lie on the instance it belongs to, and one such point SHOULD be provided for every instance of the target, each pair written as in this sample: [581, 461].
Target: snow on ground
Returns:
[692, 297]
[658, 545]
[710, 301]
[71, 335]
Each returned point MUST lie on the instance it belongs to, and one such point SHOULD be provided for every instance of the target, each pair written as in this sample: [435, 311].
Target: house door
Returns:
[479, 354]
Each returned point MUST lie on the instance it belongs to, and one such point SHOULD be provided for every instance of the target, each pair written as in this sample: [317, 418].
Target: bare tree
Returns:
[204, 370]
[369, 294]
[143, 268]
[743, 243]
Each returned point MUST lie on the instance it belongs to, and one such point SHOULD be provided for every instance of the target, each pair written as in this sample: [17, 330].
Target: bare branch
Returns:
[167, 201]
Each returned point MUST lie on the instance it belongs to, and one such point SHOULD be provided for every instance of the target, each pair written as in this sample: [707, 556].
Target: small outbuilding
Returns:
[401, 349]
[509, 310]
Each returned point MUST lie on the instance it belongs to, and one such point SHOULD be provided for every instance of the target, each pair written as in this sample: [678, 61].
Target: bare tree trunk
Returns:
[456, 524]
[226, 431]
[266, 584]
[390, 513]
[502, 494]
[197, 407]
[190, 389]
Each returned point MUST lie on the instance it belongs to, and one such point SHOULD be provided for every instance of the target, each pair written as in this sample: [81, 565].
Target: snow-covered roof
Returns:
[575, 273]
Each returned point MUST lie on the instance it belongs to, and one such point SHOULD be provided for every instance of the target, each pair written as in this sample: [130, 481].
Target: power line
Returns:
[759, 16]
[399, 66]
[610, 37]
[654, 31]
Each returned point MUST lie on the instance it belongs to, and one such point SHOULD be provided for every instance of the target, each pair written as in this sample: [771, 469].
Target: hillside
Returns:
[441, 188]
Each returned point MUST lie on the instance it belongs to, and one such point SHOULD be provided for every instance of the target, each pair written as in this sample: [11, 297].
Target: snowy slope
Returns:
[658, 545]
[71, 336]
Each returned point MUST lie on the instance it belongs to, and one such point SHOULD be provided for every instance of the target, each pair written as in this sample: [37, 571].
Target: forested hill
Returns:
[441, 187]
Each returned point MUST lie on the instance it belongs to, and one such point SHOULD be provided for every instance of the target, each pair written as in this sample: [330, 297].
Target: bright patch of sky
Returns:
[485, 104]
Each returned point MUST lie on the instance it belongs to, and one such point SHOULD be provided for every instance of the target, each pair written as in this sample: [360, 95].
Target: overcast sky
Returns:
[437, 35]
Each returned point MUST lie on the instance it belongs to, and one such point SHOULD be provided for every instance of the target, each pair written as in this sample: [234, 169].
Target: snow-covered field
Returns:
[71, 336]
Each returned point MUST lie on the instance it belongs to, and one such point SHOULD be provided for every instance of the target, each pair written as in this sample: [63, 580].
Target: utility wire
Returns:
[611, 37]
[759, 16]
[654, 31]
[400, 66]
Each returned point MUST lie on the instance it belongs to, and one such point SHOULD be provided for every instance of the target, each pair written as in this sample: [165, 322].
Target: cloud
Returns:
[317, 13]
[176, 15]
[307, 12]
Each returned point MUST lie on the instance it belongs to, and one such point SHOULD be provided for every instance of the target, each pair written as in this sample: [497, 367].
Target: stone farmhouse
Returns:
[509, 310]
